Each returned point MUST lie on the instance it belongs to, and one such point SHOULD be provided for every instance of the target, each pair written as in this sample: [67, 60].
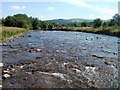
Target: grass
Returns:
[7, 32]
[114, 31]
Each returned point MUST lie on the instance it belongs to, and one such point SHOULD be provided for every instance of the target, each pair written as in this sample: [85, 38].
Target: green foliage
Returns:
[50, 27]
[84, 24]
[18, 20]
[105, 24]
[23, 21]
[97, 22]
[35, 23]
[44, 25]
[115, 21]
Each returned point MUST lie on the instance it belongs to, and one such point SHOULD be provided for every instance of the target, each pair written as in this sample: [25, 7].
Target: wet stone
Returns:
[97, 56]
[38, 50]
[1, 64]
[38, 57]
[107, 63]
[12, 81]
[6, 76]
[29, 36]
[4, 44]
[5, 71]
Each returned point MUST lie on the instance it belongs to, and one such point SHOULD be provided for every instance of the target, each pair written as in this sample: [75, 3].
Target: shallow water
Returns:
[65, 59]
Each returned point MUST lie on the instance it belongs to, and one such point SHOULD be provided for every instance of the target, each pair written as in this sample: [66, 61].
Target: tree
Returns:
[50, 27]
[115, 21]
[97, 22]
[18, 20]
[84, 24]
[9, 21]
[105, 24]
[44, 25]
[35, 23]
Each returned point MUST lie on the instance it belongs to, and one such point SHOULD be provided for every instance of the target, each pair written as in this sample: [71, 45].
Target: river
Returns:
[61, 59]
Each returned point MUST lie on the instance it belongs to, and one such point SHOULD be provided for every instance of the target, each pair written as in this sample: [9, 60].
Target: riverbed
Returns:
[61, 59]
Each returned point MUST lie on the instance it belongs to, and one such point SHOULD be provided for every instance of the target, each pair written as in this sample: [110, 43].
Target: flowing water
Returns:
[61, 59]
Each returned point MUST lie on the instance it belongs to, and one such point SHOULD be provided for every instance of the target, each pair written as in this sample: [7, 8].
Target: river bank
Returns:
[8, 34]
[11, 33]
[111, 31]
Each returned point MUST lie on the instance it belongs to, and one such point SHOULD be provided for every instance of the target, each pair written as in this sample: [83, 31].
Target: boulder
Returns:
[6, 76]
[38, 50]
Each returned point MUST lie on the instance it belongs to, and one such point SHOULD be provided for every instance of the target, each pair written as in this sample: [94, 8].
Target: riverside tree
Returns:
[97, 22]
[84, 24]
[115, 21]
[18, 20]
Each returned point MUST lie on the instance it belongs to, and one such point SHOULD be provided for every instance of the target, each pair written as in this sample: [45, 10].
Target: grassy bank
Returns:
[113, 31]
[7, 32]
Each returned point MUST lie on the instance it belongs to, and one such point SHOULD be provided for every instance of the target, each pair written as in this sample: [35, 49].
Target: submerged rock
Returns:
[30, 43]
[29, 36]
[1, 64]
[13, 81]
[108, 63]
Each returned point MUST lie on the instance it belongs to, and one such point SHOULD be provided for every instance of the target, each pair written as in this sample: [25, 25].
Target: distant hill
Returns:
[77, 20]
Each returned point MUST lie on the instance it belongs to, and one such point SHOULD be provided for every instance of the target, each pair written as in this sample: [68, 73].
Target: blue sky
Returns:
[64, 9]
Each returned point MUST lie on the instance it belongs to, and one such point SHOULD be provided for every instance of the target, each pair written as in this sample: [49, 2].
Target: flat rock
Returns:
[6, 76]
[39, 50]
[5, 71]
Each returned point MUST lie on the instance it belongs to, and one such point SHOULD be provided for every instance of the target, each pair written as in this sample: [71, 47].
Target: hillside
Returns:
[78, 20]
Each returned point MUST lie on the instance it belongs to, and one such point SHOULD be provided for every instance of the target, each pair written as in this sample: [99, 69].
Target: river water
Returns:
[61, 59]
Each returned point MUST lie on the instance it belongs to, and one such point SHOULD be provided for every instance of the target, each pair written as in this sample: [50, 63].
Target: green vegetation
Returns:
[7, 32]
[97, 23]
[29, 23]
[23, 21]
[74, 20]
[101, 30]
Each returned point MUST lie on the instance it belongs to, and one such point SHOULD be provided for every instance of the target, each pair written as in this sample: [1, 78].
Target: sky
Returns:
[62, 9]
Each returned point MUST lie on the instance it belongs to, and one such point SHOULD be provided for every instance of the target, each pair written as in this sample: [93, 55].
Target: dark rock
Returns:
[30, 50]
[97, 56]
[29, 36]
[12, 81]
[108, 63]
[38, 57]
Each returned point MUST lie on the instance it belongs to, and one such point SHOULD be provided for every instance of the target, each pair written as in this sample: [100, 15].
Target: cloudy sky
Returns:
[57, 9]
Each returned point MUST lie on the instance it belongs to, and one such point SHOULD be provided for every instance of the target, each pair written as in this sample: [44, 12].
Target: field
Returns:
[7, 32]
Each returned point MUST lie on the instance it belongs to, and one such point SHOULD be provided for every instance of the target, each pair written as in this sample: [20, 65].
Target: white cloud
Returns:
[99, 9]
[51, 8]
[18, 7]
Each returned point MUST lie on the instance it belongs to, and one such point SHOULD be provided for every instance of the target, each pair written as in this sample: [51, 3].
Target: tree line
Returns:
[23, 21]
